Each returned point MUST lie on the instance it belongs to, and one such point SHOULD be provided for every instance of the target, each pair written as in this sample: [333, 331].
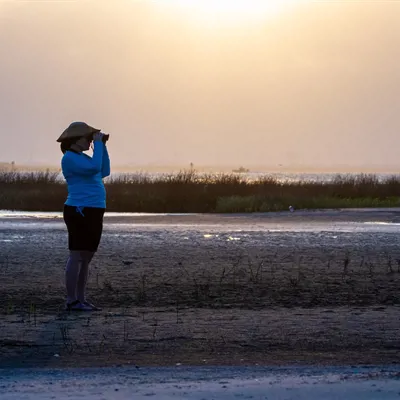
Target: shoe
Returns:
[78, 306]
[71, 306]
[92, 306]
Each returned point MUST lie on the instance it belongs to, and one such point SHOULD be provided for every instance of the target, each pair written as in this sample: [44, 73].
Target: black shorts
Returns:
[84, 231]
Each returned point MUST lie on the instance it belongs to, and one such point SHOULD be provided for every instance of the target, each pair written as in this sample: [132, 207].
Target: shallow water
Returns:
[350, 221]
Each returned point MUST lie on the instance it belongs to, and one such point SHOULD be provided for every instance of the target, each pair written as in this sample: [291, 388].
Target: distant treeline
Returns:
[188, 191]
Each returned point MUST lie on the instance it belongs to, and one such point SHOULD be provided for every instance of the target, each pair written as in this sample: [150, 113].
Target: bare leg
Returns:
[72, 274]
[83, 275]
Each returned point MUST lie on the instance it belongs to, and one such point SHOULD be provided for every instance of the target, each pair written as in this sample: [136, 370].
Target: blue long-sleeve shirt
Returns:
[84, 176]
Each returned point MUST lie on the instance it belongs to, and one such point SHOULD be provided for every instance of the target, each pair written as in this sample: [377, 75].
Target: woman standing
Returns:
[85, 205]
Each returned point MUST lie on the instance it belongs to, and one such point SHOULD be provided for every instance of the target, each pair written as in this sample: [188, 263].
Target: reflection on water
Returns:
[381, 223]
[29, 214]
[126, 235]
[211, 226]
[12, 238]
[230, 238]
[49, 214]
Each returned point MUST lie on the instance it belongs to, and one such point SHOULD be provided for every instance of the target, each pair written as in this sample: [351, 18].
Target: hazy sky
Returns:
[316, 83]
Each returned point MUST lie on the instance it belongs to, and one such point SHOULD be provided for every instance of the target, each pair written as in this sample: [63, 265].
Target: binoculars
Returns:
[105, 137]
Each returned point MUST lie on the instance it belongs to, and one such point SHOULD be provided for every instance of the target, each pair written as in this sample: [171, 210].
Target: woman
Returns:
[85, 205]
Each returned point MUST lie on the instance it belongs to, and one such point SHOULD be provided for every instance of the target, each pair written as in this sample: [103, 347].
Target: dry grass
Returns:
[189, 191]
[245, 281]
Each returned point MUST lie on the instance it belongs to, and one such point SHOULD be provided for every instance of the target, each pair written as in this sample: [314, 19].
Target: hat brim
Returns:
[72, 134]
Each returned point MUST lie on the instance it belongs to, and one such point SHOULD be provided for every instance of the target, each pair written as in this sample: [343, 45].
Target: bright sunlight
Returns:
[226, 11]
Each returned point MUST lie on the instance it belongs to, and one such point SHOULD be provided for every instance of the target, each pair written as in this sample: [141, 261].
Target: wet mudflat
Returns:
[199, 383]
[269, 289]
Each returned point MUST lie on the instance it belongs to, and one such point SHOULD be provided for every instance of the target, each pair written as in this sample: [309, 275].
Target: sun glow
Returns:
[231, 10]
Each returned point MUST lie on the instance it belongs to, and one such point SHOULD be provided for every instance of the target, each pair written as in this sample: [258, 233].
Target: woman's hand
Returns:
[98, 137]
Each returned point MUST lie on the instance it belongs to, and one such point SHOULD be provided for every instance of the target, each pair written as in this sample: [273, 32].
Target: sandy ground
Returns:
[202, 383]
[267, 289]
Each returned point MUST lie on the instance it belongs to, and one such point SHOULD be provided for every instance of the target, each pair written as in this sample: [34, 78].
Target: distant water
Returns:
[313, 177]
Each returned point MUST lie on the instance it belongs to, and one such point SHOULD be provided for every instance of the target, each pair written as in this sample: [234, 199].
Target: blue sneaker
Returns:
[78, 306]
[92, 306]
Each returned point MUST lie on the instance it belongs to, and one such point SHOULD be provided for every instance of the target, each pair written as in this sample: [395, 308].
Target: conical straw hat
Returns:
[77, 129]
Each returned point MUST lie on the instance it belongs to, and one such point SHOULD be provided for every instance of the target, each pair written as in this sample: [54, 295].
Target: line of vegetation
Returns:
[188, 191]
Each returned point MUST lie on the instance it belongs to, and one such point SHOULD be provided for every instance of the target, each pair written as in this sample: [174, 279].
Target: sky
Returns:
[311, 83]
